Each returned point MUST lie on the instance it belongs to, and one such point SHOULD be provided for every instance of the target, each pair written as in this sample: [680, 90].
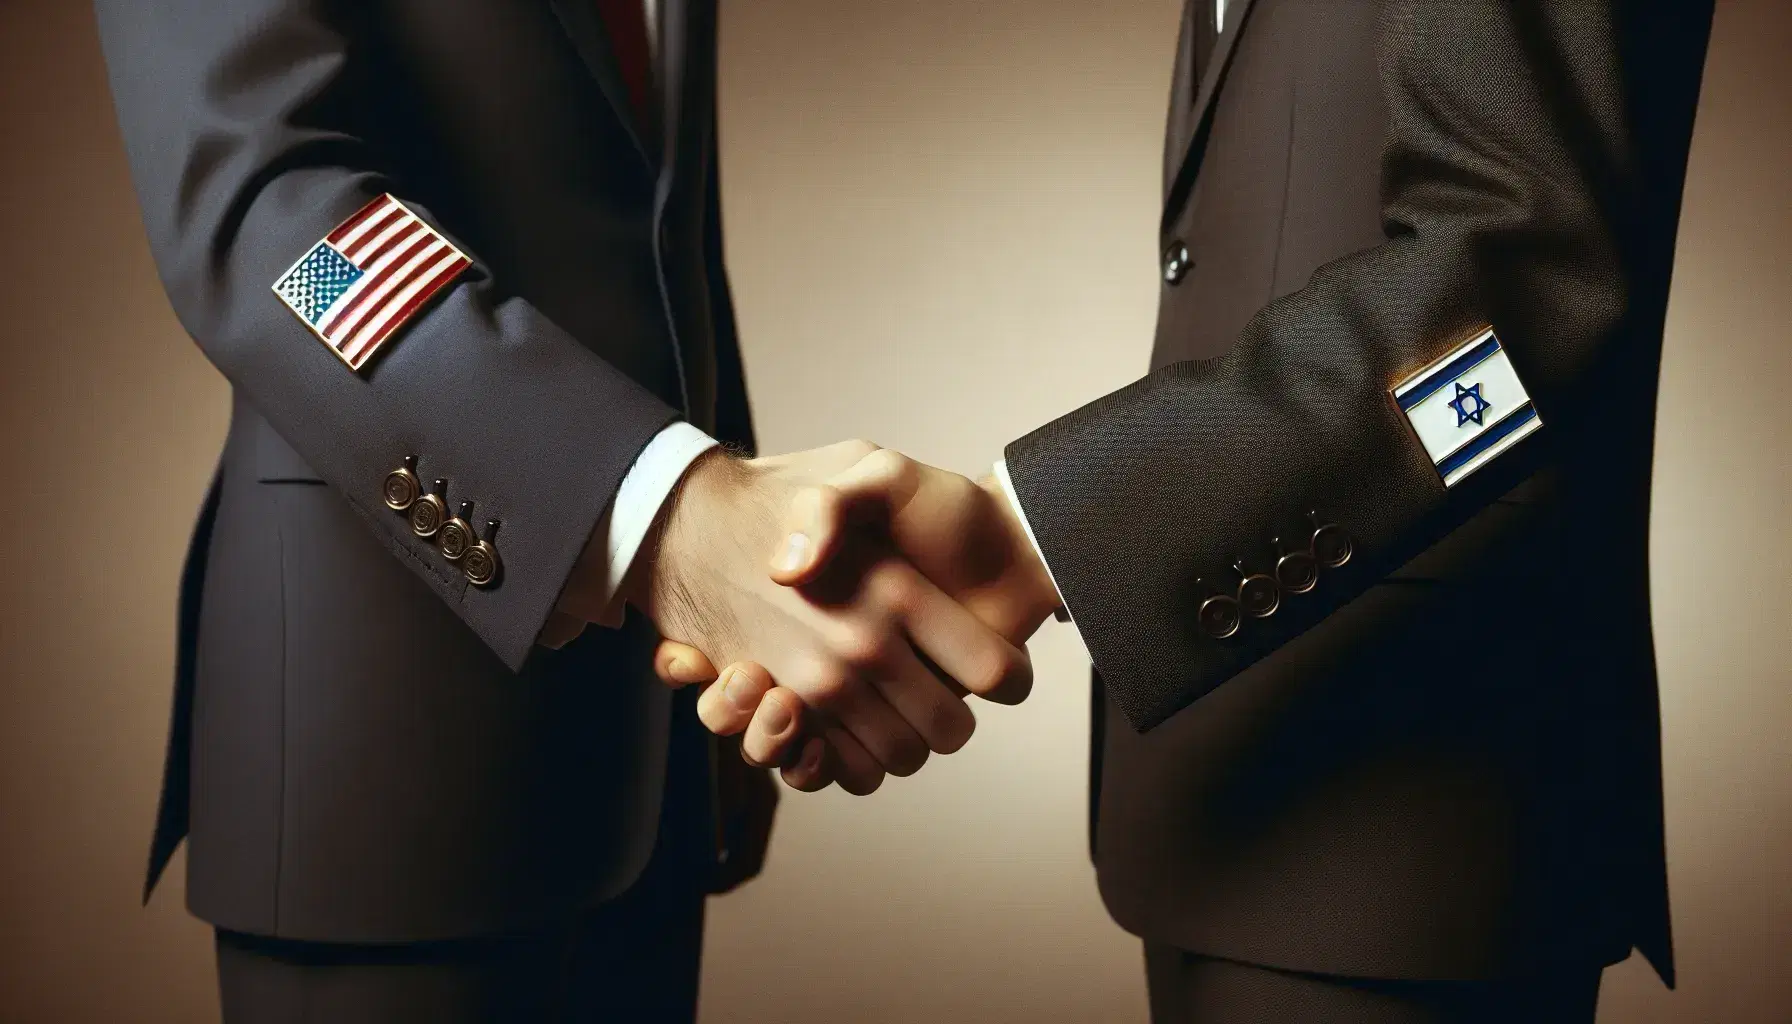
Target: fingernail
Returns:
[776, 717]
[811, 761]
[736, 688]
[678, 668]
[794, 553]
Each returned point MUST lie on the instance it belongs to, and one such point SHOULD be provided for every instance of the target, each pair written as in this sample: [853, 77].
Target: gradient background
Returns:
[941, 220]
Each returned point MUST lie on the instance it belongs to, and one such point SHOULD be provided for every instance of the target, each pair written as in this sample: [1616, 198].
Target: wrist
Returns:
[663, 562]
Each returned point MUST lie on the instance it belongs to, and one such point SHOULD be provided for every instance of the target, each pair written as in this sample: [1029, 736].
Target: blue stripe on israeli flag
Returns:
[1467, 407]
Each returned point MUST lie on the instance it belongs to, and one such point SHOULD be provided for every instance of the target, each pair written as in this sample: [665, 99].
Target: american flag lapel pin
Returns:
[368, 277]
[1467, 406]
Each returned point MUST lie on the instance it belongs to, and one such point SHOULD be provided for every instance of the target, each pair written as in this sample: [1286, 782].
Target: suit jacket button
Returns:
[1258, 594]
[402, 486]
[1331, 545]
[456, 535]
[429, 511]
[480, 562]
[1297, 571]
[1176, 263]
[1219, 616]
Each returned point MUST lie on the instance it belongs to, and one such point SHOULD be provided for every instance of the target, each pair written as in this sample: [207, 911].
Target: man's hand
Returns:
[745, 693]
[849, 639]
[965, 537]
[962, 535]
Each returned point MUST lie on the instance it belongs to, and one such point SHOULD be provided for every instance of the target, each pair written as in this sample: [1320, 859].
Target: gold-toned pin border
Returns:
[1469, 341]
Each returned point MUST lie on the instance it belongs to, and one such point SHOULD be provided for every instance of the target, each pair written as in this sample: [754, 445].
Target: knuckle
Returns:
[889, 462]
[813, 500]
[830, 684]
[893, 586]
[964, 489]
[865, 647]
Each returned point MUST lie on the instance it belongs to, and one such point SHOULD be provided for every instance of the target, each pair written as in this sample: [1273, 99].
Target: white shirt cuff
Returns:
[648, 484]
[1001, 472]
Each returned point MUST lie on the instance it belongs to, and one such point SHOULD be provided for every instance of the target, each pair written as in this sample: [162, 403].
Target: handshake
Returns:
[854, 596]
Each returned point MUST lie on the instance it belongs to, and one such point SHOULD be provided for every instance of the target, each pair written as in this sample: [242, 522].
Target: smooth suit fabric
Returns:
[366, 749]
[1444, 762]
[1188, 988]
[635, 958]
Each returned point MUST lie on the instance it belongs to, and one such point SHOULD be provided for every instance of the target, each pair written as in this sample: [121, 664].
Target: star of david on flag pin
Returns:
[1467, 407]
[369, 277]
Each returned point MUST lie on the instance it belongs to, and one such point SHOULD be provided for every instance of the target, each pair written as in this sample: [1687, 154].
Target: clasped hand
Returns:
[892, 590]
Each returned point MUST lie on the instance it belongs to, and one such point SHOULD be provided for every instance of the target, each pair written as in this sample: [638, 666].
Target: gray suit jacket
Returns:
[1442, 761]
[364, 747]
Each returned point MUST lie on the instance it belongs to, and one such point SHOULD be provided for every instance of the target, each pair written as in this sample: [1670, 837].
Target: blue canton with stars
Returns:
[1469, 405]
[317, 282]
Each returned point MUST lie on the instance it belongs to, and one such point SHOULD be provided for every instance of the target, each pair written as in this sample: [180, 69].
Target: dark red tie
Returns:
[626, 21]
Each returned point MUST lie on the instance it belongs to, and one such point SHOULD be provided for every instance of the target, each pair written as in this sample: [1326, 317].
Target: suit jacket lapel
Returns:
[580, 20]
[679, 19]
[1238, 12]
[1181, 84]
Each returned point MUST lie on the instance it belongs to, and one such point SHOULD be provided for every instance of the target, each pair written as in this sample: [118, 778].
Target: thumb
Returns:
[816, 522]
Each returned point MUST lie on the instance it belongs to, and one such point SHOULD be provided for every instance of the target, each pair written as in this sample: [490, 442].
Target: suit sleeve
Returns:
[1506, 178]
[238, 120]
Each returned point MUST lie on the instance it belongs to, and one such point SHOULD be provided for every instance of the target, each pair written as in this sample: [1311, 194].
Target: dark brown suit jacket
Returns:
[364, 747]
[1443, 762]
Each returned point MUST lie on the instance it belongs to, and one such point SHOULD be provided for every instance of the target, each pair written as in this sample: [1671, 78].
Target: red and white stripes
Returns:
[403, 261]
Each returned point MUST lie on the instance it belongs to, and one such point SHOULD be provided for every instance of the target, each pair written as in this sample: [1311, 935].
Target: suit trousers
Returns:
[1187, 988]
[633, 959]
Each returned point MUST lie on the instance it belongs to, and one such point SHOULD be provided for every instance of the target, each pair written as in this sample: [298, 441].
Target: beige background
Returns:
[941, 218]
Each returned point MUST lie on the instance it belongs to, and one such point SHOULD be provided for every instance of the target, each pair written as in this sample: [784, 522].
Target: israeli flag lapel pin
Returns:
[1467, 406]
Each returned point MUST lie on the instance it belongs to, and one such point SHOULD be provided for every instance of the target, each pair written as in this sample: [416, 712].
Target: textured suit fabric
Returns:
[1444, 762]
[364, 747]
[1190, 989]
